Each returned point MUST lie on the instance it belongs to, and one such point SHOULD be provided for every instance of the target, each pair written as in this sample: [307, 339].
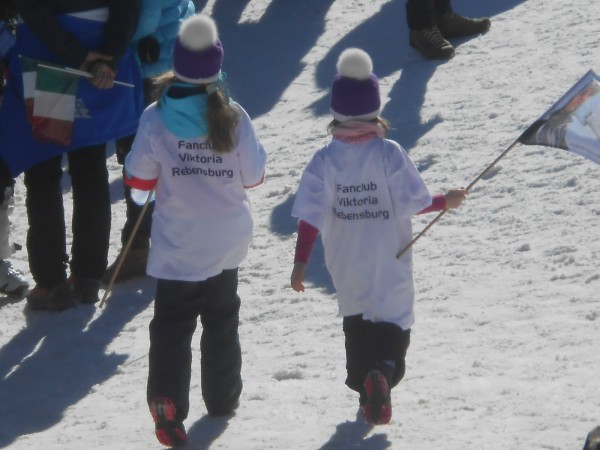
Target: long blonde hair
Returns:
[222, 116]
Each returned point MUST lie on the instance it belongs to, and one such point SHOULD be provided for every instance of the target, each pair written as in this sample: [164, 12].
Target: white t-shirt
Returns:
[361, 197]
[202, 221]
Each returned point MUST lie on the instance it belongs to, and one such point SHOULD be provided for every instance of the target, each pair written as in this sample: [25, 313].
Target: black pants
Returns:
[133, 210]
[369, 343]
[46, 237]
[6, 179]
[177, 306]
[422, 13]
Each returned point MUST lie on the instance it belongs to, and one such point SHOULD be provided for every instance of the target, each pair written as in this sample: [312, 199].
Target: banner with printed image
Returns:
[573, 122]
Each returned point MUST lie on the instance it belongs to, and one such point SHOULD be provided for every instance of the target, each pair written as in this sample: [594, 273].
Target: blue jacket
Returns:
[156, 31]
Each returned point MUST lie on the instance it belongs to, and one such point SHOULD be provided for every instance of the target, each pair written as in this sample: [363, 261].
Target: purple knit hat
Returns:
[355, 89]
[198, 53]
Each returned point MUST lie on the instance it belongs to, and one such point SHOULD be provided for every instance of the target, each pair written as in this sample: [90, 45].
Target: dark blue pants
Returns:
[46, 236]
[422, 13]
[370, 343]
[177, 306]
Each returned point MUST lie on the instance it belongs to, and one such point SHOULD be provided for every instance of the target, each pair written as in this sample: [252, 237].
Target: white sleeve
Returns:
[251, 153]
[309, 204]
[408, 190]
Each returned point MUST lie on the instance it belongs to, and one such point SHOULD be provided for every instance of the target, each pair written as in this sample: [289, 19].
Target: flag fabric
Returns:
[29, 72]
[7, 39]
[36, 106]
[54, 106]
[573, 122]
[49, 101]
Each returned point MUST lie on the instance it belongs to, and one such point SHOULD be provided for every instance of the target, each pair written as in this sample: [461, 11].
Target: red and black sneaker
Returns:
[169, 431]
[378, 405]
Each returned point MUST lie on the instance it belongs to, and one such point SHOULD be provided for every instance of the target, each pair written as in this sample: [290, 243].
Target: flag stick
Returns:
[126, 248]
[468, 188]
[80, 72]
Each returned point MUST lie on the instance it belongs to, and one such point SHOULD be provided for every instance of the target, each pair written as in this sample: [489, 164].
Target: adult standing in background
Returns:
[12, 281]
[432, 22]
[93, 36]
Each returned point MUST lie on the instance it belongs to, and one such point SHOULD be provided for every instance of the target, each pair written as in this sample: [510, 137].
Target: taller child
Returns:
[200, 152]
[360, 192]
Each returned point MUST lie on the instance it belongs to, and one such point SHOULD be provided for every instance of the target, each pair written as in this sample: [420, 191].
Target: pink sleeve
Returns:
[438, 204]
[307, 235]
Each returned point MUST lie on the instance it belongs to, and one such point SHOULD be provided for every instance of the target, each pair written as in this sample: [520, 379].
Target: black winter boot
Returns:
[431, 43]
[453, 25]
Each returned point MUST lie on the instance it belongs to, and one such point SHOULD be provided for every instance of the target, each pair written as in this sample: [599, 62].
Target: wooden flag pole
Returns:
[125, 249]
[468, 188]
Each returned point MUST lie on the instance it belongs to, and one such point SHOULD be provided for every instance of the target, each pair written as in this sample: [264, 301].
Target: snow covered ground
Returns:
[504, 352]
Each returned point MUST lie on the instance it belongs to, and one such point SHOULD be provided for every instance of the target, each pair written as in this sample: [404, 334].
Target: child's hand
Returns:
[298, 277]
[454, 197]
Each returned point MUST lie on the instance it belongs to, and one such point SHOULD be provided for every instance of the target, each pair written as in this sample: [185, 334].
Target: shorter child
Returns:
[360, 192]
[201, 152]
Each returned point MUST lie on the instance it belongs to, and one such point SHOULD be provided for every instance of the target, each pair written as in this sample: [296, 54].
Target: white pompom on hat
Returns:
[198, 52]
[355, 89]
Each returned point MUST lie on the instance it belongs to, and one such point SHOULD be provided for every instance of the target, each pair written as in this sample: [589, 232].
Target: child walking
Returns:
[199, 150]
[360, 192]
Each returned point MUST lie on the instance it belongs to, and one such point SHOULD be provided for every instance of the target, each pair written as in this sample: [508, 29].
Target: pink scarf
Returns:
[357, 131]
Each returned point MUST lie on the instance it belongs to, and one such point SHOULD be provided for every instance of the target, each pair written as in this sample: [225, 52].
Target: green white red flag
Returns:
[50, 97]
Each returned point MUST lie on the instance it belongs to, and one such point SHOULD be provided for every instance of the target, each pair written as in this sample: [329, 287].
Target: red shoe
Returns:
[378, 405]
[169, 431]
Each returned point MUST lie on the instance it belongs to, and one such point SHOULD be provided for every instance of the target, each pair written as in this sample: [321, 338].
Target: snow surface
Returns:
[504, 353]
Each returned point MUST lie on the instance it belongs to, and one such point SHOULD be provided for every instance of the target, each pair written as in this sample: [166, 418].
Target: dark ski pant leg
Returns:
[422, 14]
[46, 235]
[221, 354]
[368, 343]
[177, 307]
[390, 343]
[91, 211]
[171, 331]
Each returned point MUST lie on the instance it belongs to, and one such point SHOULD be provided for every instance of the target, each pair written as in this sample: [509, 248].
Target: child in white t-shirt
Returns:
[200, 152]
[360, 192]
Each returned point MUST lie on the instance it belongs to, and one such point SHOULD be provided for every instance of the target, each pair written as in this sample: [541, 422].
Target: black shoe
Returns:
[57, 298]
[452, 25]
[593, 440]
[133, 266]
[85, 290]
[431, 43]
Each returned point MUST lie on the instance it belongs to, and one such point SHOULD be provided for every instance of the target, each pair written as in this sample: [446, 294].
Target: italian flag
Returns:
[29, 71]
[50, 101]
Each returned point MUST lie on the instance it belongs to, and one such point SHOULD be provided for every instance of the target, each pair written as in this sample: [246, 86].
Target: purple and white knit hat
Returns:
[355, 89]
[198, 53]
